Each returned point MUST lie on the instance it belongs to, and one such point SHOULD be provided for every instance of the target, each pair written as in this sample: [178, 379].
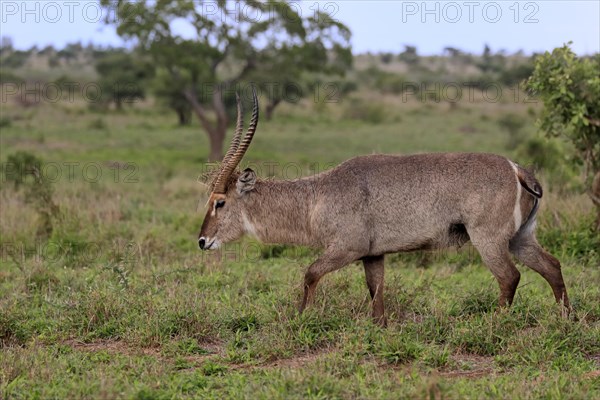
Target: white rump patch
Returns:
[248, 226]
[517, 210]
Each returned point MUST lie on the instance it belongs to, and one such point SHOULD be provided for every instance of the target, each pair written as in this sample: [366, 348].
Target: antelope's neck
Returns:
[279, 212]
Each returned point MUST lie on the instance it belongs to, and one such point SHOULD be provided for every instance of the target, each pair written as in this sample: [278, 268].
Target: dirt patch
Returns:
[119, 347]
[470, 366]
[111, 346]
[595, 359]
[213, 350]
[298, 361]
[592, 374]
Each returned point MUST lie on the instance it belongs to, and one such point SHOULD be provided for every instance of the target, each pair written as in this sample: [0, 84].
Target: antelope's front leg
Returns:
[331, 260]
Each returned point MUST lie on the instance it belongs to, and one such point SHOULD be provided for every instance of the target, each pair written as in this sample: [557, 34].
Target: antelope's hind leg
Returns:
[528, 251]
[496, 256]
[374, 273]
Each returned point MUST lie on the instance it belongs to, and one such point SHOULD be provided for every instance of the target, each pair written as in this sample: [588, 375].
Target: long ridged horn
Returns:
[228, 168]
[221, 181]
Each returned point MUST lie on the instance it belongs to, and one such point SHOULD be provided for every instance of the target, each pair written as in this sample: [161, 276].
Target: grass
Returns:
[118, 302]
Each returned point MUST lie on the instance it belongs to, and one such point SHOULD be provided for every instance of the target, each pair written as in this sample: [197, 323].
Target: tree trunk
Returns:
[215, 132]
[216, 145]
[183, 117]
[270, 108]
[595, 195]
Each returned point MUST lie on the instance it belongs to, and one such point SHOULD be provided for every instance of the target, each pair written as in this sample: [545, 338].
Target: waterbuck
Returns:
[377, 204]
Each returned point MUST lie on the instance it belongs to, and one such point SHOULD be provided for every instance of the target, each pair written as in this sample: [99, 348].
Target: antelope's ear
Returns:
[246, 181]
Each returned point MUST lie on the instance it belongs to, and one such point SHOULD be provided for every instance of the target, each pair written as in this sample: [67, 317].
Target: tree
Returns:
[229, 40]
[570, 90]
[452, 52]
[171, 95]
[286, 73]
[71, 53]
[123, 77]
[492, 63]
[409, 55]
[6, 44]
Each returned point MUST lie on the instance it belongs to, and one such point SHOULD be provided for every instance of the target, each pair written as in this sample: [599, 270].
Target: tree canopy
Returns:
[209, 48]
[569, 87]
[122, 77]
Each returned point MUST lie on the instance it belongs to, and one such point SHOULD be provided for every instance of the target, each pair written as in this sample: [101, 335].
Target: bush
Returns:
[390, 83]
[23, 169]
[516, 75]
[576, 239]
[5, 122]
[98, 124]
[512, 123]
[15, 60]
[386, 58]
[10, 77]
[365, 111]
[549, 157]
[385, 82]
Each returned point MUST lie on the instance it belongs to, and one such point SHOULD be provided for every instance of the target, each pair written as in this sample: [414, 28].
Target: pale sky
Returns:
[532, 26]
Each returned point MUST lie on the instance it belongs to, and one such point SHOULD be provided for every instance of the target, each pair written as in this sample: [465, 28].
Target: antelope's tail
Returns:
[533, 187]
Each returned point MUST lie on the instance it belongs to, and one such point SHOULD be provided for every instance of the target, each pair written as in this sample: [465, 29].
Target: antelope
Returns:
[373, 205]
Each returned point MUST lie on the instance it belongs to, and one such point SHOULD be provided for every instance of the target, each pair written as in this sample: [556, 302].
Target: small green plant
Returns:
[98, 124]
[400, 350]
[437, 357]
[24, 169]
[211, 369]
[476, 302]
[244, 323]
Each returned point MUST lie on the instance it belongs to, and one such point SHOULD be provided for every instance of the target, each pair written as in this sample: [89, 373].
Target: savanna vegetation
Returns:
[104, 294]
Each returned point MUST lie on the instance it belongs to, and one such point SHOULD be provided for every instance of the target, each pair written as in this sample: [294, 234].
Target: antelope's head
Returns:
[225, 218]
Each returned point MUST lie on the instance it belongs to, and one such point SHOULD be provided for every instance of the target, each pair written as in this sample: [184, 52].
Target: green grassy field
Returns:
[118, 302]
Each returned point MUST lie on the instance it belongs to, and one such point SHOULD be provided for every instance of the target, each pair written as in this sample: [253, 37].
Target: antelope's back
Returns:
[406, 202]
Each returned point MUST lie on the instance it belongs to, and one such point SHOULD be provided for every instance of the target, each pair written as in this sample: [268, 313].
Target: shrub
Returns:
[549, 157]
[5, 122]
[9, 77]
[98, 124]
[365, 111]
[23, 169]
[512, 123]
[386, 82]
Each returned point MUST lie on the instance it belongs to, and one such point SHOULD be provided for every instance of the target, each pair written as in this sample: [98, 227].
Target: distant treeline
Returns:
[124, 76]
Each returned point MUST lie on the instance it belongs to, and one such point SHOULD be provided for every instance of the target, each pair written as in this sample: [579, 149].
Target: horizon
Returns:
[512, 27]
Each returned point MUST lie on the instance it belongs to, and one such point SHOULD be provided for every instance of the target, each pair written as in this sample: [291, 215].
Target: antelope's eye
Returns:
[219, 203]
